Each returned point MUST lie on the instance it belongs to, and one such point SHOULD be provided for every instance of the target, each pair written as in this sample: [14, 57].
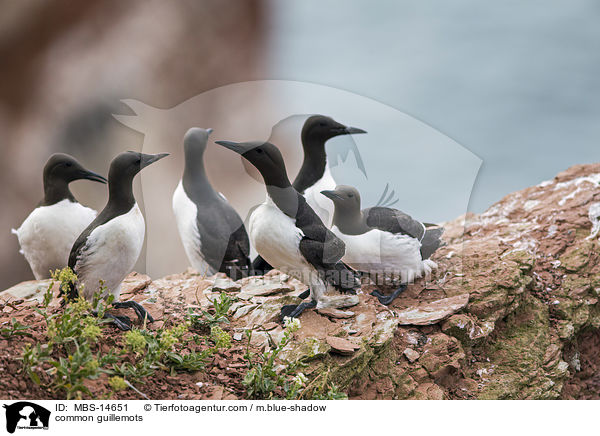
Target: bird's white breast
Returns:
[276, 238]
[48, 233]
[186, 212]
[378, 251]
[322, 205]
[110, 253]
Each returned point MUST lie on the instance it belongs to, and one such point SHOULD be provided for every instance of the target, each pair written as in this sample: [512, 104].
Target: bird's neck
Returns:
[120, 194]
[283, 194]
[56, 190]
[194, 180]
[314, 164]
[350, 221]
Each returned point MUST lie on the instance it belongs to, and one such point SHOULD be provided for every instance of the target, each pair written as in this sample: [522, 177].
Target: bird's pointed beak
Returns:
[209, 130]
[239, 148]
[331, 195]
[148, 159]
[353, 130]
[340, 129]
[90, 175]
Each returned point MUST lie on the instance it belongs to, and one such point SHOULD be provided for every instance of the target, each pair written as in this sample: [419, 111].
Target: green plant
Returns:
[71, 372]
[192, 361]
[67, 357]
[221, 338]
[135, 341]
[117, 383]
[15, 328]
[66, 277]
[32, 357]
[320, 388]
[221, 306]
[262, 379]
[165, 349]
[330, 392]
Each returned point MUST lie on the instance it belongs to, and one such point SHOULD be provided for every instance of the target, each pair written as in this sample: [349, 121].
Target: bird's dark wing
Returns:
[393, 221]
[322, 249]
[224, 243]
[236, 263]
[431, 241]
[79, 247]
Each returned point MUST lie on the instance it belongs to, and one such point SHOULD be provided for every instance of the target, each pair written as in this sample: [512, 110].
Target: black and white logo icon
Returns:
[27, 416]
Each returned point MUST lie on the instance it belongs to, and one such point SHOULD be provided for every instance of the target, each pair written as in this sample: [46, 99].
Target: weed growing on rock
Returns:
[265, 380]
[262, 379]
[221, 306]
[71, 353]
[67, 358]
[221, 338]
[14, 328]
[117, 383]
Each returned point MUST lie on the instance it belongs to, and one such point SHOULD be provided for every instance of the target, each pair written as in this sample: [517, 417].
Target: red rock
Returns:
[341, 345]
[336, 313]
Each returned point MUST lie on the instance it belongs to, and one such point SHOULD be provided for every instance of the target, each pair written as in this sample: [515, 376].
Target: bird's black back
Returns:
[393, 221]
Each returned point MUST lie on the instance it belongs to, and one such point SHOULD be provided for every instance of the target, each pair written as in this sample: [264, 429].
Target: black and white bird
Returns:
[315, 175]
[289, 235]
[107, 250]
[212, 232]
[48, 233]
[383, 242]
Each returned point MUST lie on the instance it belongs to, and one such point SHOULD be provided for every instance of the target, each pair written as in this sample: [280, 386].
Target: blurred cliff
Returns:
[65, 67]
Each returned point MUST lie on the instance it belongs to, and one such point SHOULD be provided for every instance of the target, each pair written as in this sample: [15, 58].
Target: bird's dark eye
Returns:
[322, 124]
[139, 161]
[259, 150]
[350, 195]
[69, 164]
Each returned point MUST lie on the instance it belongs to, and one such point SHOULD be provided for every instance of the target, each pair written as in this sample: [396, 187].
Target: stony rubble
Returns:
[516, 287]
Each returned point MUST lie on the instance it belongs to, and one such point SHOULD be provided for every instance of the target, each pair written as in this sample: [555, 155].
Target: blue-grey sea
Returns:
[515, 83]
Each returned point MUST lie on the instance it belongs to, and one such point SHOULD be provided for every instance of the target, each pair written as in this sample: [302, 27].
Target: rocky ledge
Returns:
[512, 313]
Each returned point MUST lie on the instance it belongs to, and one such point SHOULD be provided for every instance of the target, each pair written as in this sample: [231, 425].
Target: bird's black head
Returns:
[123, 169]
[265, 156]
[64, 168]
[319, 128]
[127, 164]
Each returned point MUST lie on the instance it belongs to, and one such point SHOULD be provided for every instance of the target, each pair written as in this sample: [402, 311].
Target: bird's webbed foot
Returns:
[122, 322]
[141, 313]
[294, 311]
[386, 300]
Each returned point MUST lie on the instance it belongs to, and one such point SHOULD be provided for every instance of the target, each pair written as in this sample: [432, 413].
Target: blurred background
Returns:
[516, 84]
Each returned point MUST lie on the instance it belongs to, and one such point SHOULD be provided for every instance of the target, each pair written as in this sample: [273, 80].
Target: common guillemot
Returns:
[48, 233]
[315, 174]
[107, 250]
[212, 232]
[382, 241]
[288, 233]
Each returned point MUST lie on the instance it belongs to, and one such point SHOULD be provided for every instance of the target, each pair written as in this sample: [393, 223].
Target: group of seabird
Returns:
[311, 229]
[100, 248]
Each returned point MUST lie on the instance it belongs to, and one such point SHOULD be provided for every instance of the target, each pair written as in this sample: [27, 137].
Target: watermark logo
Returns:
[25, 415]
